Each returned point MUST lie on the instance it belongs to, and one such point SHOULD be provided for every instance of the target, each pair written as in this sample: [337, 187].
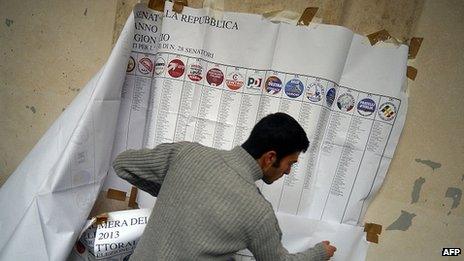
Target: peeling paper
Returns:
[403, 222]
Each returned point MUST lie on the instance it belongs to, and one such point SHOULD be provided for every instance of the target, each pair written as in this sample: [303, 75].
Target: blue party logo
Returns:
[294, 88]
[330, 96]
[366, 107]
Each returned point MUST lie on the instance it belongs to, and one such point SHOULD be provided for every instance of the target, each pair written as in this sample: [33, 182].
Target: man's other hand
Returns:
[329, 249]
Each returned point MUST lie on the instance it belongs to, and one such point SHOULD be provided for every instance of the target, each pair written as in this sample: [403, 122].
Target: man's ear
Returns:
[269, 158]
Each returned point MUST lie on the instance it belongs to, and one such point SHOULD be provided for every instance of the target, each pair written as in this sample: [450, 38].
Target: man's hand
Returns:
[329, 249]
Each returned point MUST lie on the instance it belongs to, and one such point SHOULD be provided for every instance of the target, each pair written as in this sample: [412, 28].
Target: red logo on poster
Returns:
[234, 81]
[145, 65]
[215, 77]
[176, 68]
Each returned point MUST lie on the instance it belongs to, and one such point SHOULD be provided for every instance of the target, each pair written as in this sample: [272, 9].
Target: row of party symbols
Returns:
[241, 79]
[363, 104]
[267, 82]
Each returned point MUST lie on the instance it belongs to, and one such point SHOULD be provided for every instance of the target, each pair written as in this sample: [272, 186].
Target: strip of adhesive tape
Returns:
[411, 73]
[116, 194]
[179, 5]
[379, 36]
[307, 16]
[373, 231]
[157, 5]
[133, 198]
[414, 46]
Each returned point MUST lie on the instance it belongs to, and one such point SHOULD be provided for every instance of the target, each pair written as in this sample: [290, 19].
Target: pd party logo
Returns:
[145, 65]
[234, 80]
[315, 92]
[345, 102]
[130, 64]
[330, 96]
[160, 64]
[387, 111]
[366, 107]
[195, 72]
[294, 88]
[214, 77]
[254, 82]
[176, 68]
[273, 85]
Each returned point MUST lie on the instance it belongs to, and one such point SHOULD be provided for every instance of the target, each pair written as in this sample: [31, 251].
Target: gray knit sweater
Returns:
[208, 205]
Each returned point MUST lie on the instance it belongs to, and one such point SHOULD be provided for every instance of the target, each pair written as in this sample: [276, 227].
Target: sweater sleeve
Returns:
[266, 244]
[147, 168]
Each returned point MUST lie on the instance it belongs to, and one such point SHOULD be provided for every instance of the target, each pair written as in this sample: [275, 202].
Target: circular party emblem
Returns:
[387, 111]
[234, 80]
[345, 102]
[273, 85]
[160, 64]
[330, 96]
[195, 72]
[145, 65]
[130, 64]
[366, 107]
[214, 77]
[176, 68]
[294, 88]
[315, 92]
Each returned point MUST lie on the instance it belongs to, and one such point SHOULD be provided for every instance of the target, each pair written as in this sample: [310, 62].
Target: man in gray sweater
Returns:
[208, 205]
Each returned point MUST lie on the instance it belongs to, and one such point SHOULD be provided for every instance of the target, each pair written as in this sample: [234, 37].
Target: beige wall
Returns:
[48, 52]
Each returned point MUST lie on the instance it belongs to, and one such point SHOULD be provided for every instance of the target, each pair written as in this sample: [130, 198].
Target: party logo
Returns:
[214, 77]
[176, 68]
[195, 72]
[130, 64]
[387, 111]
[366, 107]
[273, 85]
[315, 92]
[345, 102]
[160, 64]
[330, 96]
[145, 65]
[254, 82]
[294, 88]
[234, 80]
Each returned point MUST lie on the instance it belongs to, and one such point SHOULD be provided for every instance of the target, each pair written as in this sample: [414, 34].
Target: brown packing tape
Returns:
[375, 229]
[307, 16]
[367, 226]
[157, 5]
[133, 198]
[379, 36]
[414, 46]
[411, 73]
[116, 194]
[372, 238]
[179, 5]
[372, 230]
[102, 218]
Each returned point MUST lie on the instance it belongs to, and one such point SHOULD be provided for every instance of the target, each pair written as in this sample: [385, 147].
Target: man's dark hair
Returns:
[278, 132]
